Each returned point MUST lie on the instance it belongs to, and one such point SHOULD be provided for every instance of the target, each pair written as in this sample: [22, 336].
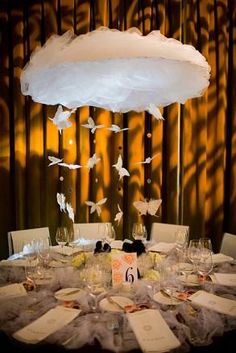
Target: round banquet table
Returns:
[17, 313]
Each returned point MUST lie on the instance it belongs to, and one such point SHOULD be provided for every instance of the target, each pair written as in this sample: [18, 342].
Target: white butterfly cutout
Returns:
[96, 206]
[119, 215]
[147, 207]
[70, 212]
[61, 200]
[92, 161]
[153, 110]
[91, 125]
[122, 171]
[70, 166]
[116, 128]
[54, 160]
[61, 117]
[147, 160]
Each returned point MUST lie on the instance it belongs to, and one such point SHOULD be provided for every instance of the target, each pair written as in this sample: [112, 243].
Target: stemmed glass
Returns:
[62, 236]
[95, 285]
[110, 234]
[205, 264]
[194, 252]
[139, 232]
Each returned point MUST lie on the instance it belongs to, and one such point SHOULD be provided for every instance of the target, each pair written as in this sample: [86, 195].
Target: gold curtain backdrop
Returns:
[194, 172]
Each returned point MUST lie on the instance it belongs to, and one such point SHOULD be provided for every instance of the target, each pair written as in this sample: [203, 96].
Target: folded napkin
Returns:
[225, 279]
[66, 250]
[220, 258]
[214, 302]
[152, 332]
[18, 263]
[117, 244]
[162, 247]
[12, 291]
[47, 324]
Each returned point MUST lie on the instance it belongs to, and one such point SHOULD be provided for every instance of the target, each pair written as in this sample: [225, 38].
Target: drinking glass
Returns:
[181, 238]
[194, 252]
[205, 264]
[95, 285]
[139, 232]
[62, 236]
[110, 234]
[206, 243]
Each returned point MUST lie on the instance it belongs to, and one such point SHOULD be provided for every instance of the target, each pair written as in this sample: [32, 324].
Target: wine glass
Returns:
[194, 252]
[139, 232]
[62, 236]
[205, 264]
[110, 234]
[95, 285]
[181, 238]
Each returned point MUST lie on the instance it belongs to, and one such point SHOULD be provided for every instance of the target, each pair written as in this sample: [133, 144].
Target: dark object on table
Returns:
[100, 247]
[137, 246]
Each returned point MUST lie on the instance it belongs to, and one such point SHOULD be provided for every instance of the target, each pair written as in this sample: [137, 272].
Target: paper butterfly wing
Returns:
[153, 206]
[141, 206]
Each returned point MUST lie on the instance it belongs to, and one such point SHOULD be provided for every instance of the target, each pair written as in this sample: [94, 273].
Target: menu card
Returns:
[162, 247]
[225, 279]
[152, 332]
[214, 302]
[124, 268]
[12, 291]
[47, 324]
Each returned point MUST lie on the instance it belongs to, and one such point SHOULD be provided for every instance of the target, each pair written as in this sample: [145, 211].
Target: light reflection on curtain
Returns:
[195, 169]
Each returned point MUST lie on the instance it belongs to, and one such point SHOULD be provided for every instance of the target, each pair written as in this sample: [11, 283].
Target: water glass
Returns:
[139, 232]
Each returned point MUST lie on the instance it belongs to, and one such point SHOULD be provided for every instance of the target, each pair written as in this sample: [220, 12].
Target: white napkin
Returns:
[66, 250]
[225, 279]
[117, 244]
[152, 332]
[47, 324]
[214, 302]
[162, 247]
[220, 258]
[12, 291]
[18, 263]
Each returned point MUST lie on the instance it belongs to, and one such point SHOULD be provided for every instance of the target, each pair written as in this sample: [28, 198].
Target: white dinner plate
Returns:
[115, 304]
[161, 298]
[68, 294]
[190, 280]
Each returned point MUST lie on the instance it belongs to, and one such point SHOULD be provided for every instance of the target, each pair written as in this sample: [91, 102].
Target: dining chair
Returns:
[17, 238]
[166, 232]
[89, 230]
[228, 245]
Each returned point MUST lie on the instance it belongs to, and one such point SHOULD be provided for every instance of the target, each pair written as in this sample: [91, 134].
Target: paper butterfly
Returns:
[92, 161]
[70, 211]
[61, 199]
[122, 171]
[116, 128]
[148, 160]
[119, 215]
[61, 117]
[96, 206]
[145, 207]
[91, 125]
[54, 160]
[70, 166]
[153, 110]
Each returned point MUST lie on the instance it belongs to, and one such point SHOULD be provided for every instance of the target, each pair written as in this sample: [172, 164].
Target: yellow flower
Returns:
[152, 275]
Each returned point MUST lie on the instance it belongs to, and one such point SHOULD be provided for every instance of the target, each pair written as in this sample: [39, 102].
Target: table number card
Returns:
[124, 268]
[47, 324]
[152, 332]
[214, 302]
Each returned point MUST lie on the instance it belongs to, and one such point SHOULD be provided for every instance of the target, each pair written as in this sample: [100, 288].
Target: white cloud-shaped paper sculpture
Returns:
[118, 71]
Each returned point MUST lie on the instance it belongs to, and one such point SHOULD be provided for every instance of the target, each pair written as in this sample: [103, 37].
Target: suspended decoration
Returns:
[96, 206]
[118, 71]
[147, 207]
